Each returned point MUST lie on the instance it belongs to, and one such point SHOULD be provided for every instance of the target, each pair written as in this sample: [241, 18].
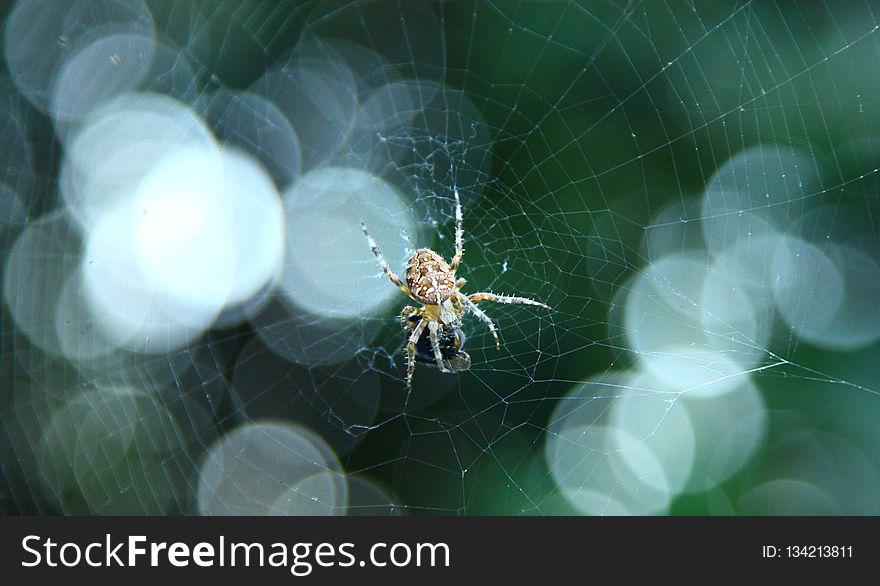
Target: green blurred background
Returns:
[598, 129]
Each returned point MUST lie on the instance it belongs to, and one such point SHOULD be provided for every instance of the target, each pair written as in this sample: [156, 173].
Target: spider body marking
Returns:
[436, 325]
[429, 277]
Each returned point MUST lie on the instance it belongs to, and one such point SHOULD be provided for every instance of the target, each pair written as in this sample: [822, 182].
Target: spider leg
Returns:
[381, 258]
[404, 316]
[482, 316]
[459, 234]
[484, 296]
[460, 283]
[411, 350]
[433, 326]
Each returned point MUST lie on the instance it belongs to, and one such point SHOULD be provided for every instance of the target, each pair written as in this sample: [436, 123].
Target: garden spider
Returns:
[431, 281]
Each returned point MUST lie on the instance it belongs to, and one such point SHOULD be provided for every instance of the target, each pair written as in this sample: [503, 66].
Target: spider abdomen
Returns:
[429, 277]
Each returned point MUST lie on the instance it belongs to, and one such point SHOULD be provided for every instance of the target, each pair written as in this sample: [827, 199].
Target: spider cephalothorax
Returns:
[431, 281]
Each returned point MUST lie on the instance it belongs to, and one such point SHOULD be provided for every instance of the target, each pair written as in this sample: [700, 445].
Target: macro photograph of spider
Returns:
[434, 330]
[426, 258]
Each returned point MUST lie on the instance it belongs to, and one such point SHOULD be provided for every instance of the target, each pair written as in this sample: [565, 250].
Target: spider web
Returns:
[691, 186]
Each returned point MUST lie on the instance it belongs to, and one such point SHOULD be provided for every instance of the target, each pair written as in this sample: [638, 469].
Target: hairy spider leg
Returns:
[459, 235]
[482, 316]
[433, 327]
[404, 315]
[484, 296]
[411, 351]
[392, 276]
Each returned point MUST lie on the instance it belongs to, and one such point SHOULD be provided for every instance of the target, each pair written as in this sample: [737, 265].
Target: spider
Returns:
[431, 281]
